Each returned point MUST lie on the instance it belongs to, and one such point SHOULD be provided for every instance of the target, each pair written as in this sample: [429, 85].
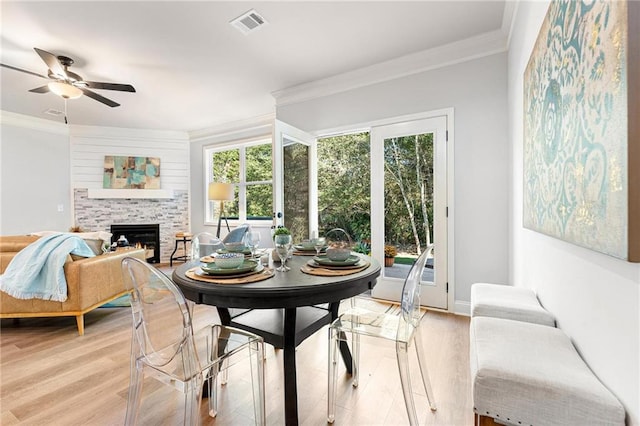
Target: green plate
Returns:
[303, 248]
[211, 268]
[244, 251]
[324, 260]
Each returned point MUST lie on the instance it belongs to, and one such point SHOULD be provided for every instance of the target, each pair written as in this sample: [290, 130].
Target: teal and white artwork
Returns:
[576, 184]
[126, 172]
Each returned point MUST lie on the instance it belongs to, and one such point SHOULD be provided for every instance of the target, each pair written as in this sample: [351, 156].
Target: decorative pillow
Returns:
[95, 246]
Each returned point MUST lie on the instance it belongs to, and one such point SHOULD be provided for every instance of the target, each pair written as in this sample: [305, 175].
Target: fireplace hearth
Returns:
[142, 235]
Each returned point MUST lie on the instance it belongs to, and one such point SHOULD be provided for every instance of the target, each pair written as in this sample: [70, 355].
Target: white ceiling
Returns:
[192, 70]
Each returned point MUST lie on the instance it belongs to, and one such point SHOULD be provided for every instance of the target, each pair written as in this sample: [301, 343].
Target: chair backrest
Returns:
[204, 244]
[161, 318]
[237, 234]
[410, 303]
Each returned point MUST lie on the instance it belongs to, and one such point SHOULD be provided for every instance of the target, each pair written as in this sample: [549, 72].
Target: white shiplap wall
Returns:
[90, 144]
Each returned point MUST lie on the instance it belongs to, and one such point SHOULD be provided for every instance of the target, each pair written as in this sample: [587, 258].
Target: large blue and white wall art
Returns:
[580, 184]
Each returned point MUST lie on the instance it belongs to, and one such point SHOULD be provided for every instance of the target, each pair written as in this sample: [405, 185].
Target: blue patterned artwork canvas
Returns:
[576, 136]
[122, 172]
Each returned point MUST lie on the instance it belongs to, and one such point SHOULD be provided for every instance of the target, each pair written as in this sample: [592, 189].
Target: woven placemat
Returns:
[261, 276]
[330, 272]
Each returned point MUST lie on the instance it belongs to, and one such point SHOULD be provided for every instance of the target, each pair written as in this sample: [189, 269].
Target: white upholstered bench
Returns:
[530, 374]
[504, 301]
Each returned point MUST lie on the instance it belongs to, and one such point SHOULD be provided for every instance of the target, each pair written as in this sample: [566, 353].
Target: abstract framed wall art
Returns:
[122, 172]
[582, 127]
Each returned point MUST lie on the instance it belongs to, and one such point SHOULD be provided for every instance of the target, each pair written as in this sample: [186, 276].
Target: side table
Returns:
[184, 238]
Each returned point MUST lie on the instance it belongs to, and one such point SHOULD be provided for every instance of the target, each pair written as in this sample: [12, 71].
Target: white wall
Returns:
[43, 162]
[34, 175]
[596, 298]
[90, 144]
[477, 91]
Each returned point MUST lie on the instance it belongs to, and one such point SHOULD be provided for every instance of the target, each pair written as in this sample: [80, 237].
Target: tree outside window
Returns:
[248, 168]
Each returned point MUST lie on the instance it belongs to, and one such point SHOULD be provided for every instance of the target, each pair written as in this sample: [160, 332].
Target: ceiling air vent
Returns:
[54, 112]
[248, 22]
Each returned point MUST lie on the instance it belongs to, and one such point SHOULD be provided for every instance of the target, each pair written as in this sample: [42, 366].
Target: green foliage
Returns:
[258, 174]
[362, 247]
[226, 166]
[258, 163]
[408, 166]
[281, 231]
[344, 187]
[344, 184]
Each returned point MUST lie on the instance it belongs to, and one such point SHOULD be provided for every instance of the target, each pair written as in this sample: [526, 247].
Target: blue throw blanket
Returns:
[36, 272]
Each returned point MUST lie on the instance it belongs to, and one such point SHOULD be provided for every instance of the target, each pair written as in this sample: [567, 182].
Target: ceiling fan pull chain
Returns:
[65, 111]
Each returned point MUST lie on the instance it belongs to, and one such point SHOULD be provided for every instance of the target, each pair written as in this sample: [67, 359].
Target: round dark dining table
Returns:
[284, 309]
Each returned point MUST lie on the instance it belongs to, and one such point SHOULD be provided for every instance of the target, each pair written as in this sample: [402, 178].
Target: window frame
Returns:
[210, 219]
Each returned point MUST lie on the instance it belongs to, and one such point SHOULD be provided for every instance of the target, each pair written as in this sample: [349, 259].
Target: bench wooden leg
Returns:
[80, 322]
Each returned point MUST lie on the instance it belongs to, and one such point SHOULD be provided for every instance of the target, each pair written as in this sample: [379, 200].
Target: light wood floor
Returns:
[51, 376]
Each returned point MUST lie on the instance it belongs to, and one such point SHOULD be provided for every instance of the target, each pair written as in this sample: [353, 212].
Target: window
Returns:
[248, 168]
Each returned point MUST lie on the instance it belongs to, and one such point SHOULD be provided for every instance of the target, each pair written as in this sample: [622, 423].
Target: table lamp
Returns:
[219, 191]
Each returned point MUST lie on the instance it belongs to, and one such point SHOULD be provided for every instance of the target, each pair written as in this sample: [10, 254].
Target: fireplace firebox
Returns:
[145, 235]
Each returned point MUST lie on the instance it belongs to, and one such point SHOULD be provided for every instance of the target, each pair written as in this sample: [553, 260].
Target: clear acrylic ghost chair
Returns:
[404, 329]
[164, 344]
[204, 244]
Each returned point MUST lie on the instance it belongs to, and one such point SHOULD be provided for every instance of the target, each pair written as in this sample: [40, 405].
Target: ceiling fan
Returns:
[70, 85]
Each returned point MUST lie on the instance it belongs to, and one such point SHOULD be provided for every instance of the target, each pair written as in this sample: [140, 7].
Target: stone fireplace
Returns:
[99, 214]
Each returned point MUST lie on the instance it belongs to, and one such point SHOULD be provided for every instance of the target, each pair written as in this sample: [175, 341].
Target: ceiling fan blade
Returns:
[25, 71]
[41, 89]
[52, 62]
[110, 86]
[99, 98]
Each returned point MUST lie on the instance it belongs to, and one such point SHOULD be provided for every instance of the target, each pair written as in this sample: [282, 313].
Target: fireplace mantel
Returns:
[130, 193]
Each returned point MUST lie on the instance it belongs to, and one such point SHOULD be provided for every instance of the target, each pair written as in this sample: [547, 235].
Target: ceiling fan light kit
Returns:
[70, 85]
[64, 90]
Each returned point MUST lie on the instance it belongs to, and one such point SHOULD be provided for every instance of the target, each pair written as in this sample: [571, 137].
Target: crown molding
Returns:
[13, 119]
[261, 124]
[461, 51]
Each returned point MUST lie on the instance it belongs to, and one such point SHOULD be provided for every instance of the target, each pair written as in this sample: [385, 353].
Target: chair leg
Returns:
[423, 369]
[334, 341]
[192, 399]
[257, 381]
[355, 345]
[405, 379]
[215, 351]
[355, 359]
[212, 387]
[225, 372]
[135, 394]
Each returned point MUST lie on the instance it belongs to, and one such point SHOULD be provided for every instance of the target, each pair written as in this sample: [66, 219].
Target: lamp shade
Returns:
[65, 90]
[219, 191]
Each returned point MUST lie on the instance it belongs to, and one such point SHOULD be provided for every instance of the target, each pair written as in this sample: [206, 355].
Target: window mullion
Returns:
[242, 189]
